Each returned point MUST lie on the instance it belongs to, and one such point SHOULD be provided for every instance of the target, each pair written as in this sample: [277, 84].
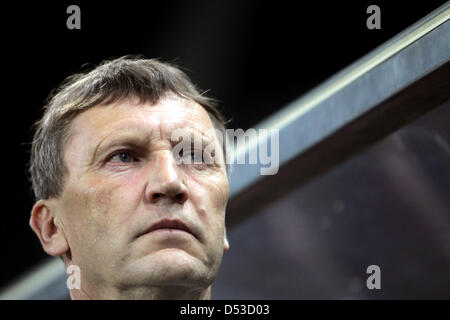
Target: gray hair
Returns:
[149, 80]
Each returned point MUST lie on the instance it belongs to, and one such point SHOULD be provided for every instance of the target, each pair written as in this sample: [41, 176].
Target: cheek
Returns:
[98, 207]
[209, 195]
[115, 200]
[98, 215]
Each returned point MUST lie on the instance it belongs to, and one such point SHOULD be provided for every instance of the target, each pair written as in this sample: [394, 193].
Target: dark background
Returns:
[254, 56]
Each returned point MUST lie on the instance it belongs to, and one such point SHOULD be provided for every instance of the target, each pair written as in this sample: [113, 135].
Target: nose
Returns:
[165, 182]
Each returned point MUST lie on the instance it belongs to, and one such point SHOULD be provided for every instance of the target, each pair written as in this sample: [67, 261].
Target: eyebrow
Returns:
[132, 138]
[112, 140]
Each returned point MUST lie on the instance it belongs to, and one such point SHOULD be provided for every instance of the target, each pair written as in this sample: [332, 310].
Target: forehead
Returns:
[166, 115]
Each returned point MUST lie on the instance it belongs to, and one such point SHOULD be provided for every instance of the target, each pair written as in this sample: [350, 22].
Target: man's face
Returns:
[123, 179]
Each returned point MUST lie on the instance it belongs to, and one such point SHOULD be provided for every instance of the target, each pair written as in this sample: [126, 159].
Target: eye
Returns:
[122, 156]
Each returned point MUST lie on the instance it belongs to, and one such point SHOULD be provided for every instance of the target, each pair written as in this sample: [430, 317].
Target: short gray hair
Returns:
[149, 80]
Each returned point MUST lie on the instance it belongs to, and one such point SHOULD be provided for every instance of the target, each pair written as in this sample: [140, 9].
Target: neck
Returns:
[146, 293]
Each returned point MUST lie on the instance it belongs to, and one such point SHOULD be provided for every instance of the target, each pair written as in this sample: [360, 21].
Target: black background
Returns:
[254, 56]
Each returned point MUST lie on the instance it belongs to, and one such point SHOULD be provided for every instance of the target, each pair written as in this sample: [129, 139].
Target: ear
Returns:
[42, 222]
[226, 244]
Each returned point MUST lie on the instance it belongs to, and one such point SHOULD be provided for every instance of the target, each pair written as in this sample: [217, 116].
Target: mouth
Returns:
[169, 225]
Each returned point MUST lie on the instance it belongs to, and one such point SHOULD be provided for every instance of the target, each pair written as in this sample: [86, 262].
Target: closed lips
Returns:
[170, 224]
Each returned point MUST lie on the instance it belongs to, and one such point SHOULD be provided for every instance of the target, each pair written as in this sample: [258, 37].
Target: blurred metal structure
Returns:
[391, 86]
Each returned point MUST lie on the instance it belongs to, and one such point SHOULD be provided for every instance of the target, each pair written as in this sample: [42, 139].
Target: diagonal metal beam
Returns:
[389, 87]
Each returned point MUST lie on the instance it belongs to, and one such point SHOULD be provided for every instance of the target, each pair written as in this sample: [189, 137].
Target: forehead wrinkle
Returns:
[194, 110]
[191, 121]
[189, 129]
[187, 119]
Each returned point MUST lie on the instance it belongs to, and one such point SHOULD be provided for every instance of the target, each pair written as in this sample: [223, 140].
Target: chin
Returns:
[173, 267]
